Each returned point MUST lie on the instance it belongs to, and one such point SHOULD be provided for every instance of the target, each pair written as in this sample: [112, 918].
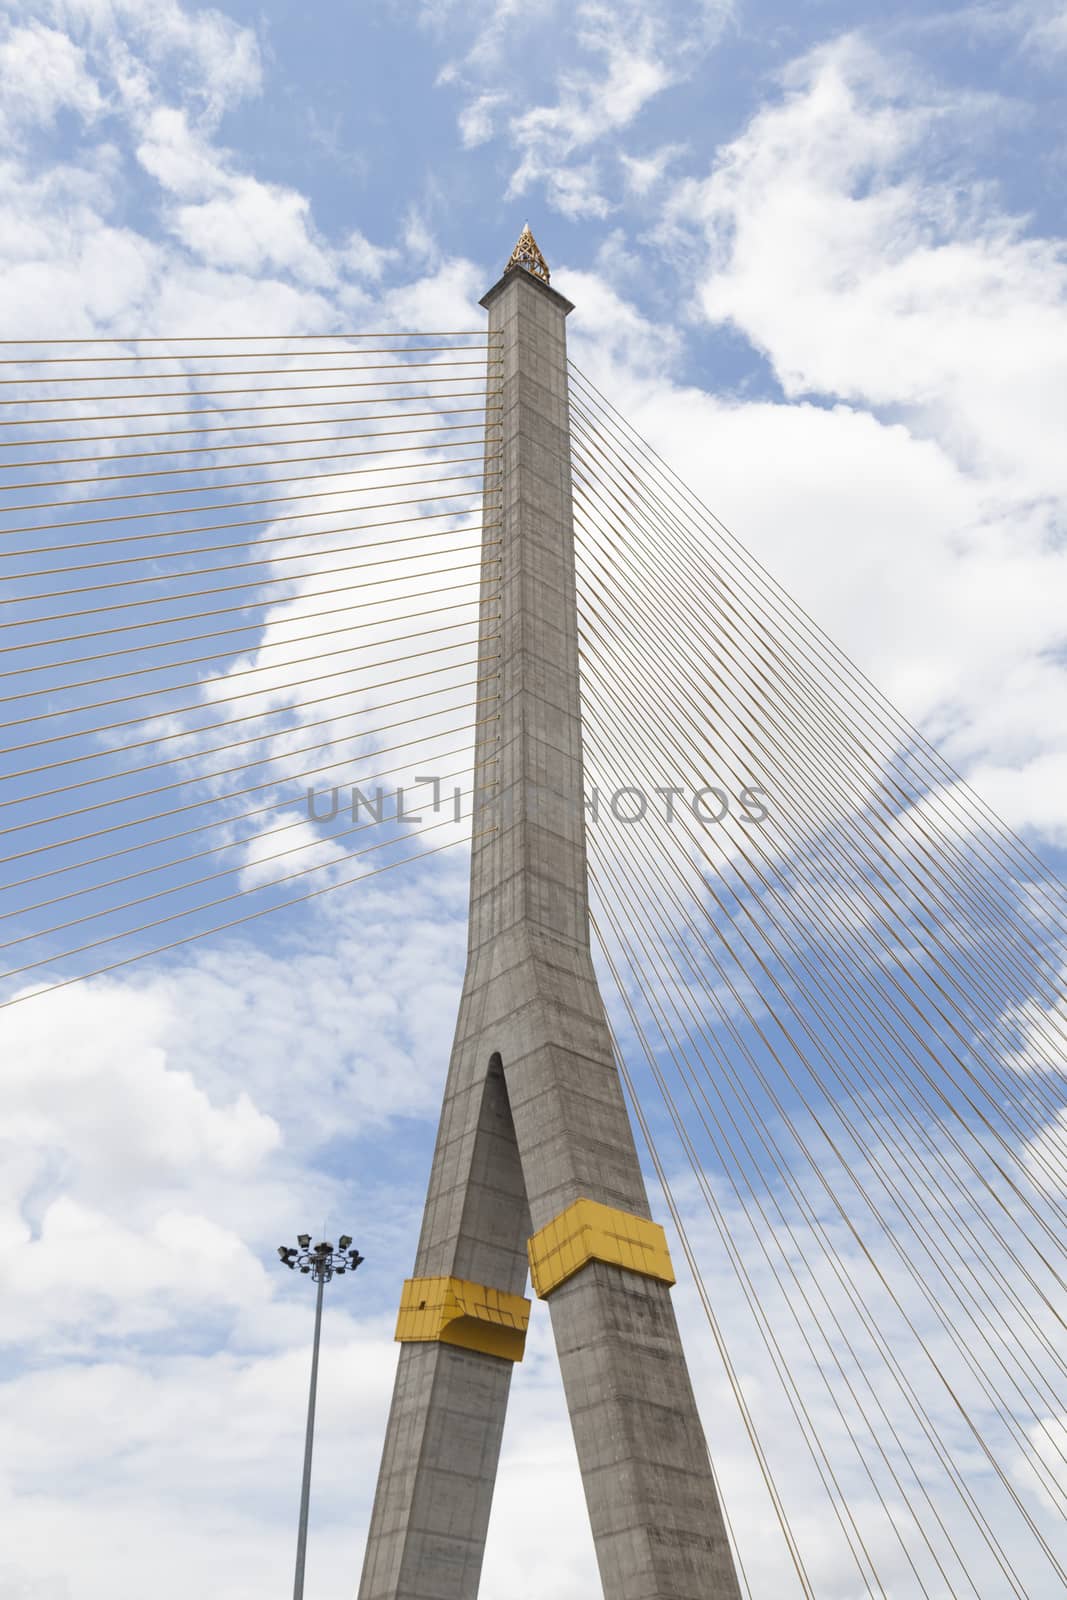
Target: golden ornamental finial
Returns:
[528, 256]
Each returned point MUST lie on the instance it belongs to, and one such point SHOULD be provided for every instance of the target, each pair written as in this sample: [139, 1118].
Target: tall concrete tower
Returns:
[535, 1167]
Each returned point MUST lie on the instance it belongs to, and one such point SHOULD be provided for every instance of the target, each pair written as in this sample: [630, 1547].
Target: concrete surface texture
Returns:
[533, 1116]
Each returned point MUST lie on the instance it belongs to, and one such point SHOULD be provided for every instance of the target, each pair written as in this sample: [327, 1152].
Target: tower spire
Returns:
[527, 255]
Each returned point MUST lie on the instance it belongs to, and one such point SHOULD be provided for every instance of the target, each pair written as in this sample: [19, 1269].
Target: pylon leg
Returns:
[435, 1487]
[653, 1508]
[657, 1524]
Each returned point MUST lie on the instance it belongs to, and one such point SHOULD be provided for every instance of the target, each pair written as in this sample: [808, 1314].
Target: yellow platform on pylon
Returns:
[469, 1315]
[588, 1231]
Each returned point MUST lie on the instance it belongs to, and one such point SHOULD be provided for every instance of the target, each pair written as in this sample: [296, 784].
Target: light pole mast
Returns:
[320, 1262]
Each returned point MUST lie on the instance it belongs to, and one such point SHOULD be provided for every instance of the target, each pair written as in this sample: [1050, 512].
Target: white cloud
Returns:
[367, 259]
[1049, 1439]
[62, 246]
[1030, 795]
[243, 252]
[643, 173]
[178, 156]
[1044, 25]
[612, 331]
[252, 227]
[864, 279]
[592, 104]
[105, 1141]
[154, 1129]
[926, 487]
[139, 42]
[157, 1135]
[619, 60]
[42, 72]
[131, 1437]
[225, 216]
[88, 1074]
[477, 121]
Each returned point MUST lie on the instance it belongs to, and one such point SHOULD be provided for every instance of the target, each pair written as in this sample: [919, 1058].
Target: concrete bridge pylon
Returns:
[535, 1170]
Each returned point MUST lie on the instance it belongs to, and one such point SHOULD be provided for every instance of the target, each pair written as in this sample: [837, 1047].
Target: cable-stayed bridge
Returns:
[293, 617]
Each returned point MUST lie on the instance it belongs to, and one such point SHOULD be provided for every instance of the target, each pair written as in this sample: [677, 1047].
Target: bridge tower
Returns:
[535, 1168]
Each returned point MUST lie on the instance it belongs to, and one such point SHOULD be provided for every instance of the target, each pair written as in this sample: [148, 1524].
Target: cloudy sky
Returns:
[817, 258]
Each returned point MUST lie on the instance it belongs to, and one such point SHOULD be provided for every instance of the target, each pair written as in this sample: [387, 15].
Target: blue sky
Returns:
[817, 258]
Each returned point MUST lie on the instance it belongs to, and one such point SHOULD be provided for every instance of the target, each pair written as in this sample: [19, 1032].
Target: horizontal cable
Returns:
[202, 683]
[252, 483]
[205, 905]
[219, 611]
[236, 566]
[241, 338]
[236, 922]
[240, 427]
[261, 738]
[260, 388]
[223, 589]
[234, 411]
[239, 505]
[225, 633]
[127, 539]
[273, 806]
[236, 466]
[37, 717]
[271, 518]
[244, 544]
[225, 722]
[141, 871]
[255, 788]
[219, 749]
[239, 372]
[212, 877]
[208, 355]
[225, 772]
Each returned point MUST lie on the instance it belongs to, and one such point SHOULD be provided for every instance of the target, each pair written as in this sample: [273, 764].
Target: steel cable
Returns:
[240, 427]
[743, 565]
[927, 861]
[963, 1064]
[797, 692]
[235, 922]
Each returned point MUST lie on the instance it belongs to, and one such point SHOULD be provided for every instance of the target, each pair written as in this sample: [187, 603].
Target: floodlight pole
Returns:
[309, 1438]
[320, 1261]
